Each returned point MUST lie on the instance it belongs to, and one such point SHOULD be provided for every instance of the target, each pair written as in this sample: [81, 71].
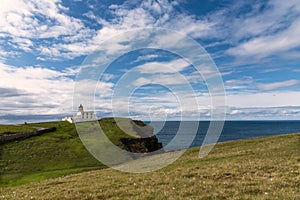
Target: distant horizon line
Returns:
[22, 121]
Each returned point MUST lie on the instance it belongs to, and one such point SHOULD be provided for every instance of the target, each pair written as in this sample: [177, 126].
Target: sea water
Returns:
[232, 130]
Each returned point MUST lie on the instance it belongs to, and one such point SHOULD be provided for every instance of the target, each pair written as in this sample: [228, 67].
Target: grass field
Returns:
[260, 168]
[12, 129]
[52, 154]
[49, 155]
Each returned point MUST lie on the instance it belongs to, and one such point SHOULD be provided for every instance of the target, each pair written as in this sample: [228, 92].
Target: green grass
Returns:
[47, 156]
[12, 129]
[50, 155]
[260, 168]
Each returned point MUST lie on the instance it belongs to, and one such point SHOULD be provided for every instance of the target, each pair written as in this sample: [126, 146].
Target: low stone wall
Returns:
[8, 138]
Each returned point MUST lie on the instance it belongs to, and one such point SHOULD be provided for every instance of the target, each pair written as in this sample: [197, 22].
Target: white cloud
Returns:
[244, 83]
[269, 45]
[244, 80]
[267, 105]
[41, 91]
[24, 21]
[192, 26]
[44, 91]
[170, 104]
[264, 113]
[163, 67]
[23, 44]
[273, 31]
[145, 57]
[267, 20]
[263, 99]
[87, 90]
[268, 70]
[241, 105]
[27, 21]
[277, 85]
[163, 79]
[144, 14]
[20, 19]
[247, 83]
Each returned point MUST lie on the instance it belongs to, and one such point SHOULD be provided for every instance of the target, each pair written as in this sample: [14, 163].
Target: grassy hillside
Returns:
[46, 156]
[13, 129]
[52, 154]
[260, 168]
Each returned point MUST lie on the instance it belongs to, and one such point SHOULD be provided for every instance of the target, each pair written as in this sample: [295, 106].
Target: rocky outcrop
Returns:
[145, 143]
[142, 145]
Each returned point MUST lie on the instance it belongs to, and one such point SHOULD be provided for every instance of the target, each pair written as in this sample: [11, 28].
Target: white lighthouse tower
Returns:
[84, 116]
[81, 116]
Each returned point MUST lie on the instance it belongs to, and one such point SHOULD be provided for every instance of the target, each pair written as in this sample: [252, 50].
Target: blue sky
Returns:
[255, 46]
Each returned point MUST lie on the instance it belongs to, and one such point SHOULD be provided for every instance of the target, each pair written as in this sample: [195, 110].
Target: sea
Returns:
[175, 135]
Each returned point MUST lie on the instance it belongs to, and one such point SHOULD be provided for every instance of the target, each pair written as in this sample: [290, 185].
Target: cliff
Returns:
[132, 135]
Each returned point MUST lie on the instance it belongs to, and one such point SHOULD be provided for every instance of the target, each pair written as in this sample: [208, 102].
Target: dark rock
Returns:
[142, 145]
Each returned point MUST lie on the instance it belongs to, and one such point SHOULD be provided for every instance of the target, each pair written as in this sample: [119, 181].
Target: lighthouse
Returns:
[84, 116]
[81, 116]
[80, 108]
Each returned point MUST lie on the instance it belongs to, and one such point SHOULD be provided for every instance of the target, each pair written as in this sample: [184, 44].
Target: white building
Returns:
[68, 119]
[81, 116]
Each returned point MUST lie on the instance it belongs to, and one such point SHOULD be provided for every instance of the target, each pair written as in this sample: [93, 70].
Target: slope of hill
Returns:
[260, 168]
[56, 153]
[13, 129]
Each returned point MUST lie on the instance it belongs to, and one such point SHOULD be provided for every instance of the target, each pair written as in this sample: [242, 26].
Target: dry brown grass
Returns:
[261, 168]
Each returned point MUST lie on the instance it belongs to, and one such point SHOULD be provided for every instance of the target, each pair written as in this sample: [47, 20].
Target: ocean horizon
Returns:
[232, 130]
[20, 119]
